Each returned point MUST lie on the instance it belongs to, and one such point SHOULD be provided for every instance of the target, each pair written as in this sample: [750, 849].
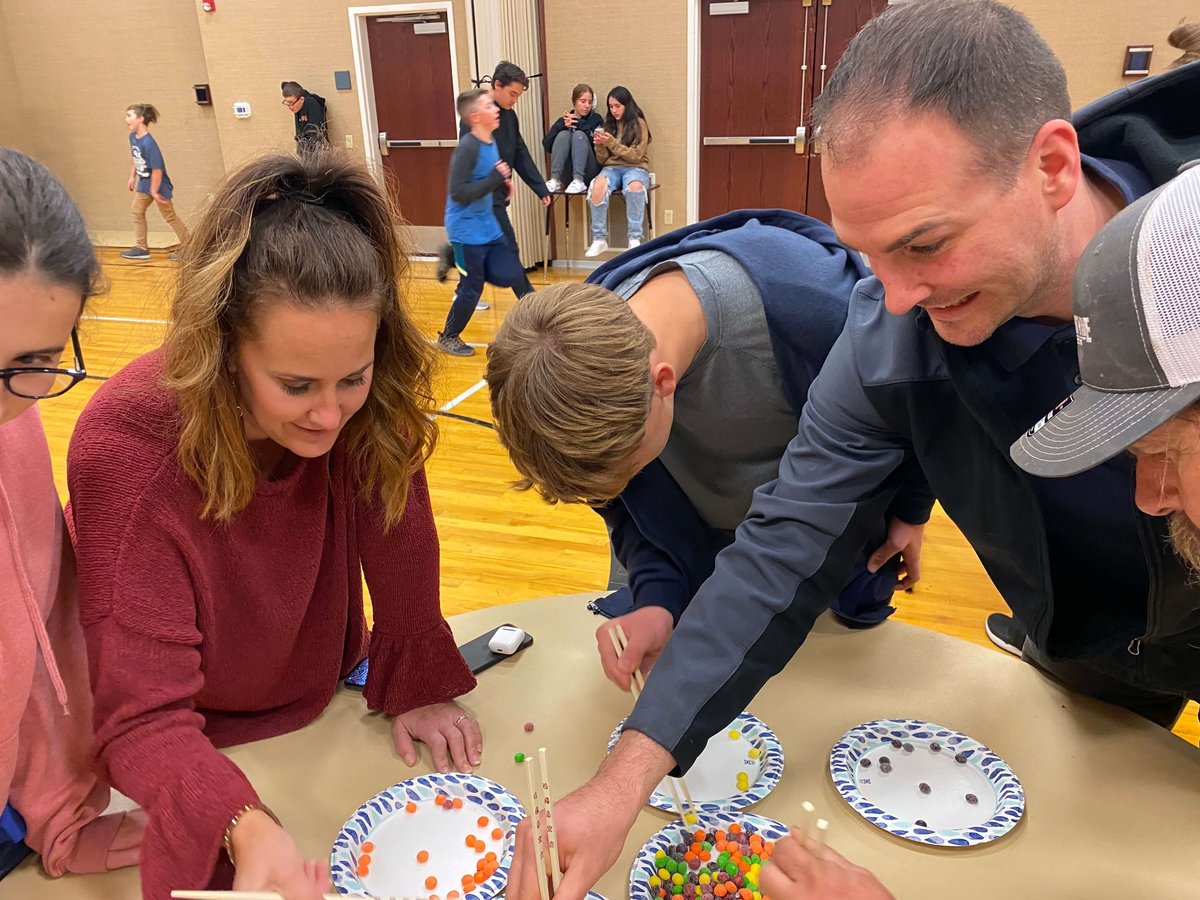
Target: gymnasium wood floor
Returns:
[498, 545]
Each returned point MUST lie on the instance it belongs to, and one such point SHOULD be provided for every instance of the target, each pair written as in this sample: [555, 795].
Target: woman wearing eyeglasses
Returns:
[51, 801]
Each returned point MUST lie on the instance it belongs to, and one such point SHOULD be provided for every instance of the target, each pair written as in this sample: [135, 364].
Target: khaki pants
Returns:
[142, 202]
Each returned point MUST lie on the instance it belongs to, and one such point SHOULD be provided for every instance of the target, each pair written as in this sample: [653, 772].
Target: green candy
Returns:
[520, 757]
[731, 870]
[677, 889]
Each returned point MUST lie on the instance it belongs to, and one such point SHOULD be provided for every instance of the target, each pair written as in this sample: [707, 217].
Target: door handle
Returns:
[746, 140]
[383, 143]
[801, 139]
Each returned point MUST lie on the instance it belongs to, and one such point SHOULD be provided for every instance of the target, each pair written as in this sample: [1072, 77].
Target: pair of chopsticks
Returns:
[678, 785]
[547, 843]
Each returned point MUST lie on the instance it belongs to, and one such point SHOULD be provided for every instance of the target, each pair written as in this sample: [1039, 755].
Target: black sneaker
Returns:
[1005, 632]
[454, 345]
[136, 253]
[445, 262]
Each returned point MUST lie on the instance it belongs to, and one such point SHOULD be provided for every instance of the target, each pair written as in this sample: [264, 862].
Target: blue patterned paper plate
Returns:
[712, 780]
[678, 833]
[382, 820]
[926, 783]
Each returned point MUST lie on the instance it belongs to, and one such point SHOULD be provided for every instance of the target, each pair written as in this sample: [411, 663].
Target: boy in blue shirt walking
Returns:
[149, 180]
[481, 252]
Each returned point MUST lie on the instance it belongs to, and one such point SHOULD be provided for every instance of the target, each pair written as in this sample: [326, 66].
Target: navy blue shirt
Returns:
[147, 156]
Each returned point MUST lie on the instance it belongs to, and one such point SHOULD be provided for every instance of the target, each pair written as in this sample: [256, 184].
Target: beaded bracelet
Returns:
[227, 841]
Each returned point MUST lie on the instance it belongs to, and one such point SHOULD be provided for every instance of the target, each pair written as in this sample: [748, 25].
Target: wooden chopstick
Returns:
[551, 829]
[538, 839]
[638, 684]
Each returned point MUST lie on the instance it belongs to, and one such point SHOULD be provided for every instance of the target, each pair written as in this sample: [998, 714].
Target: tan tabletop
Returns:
[1113, 802]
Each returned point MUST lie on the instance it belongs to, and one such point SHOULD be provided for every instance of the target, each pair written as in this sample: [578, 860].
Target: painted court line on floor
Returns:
[463, 396]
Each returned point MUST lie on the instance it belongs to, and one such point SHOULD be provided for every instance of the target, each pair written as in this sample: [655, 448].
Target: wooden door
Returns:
[753, 89]
[414, 107]
[837, 24]
[762, 63]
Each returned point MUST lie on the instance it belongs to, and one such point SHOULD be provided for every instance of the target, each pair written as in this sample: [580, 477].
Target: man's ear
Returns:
[663, 374]
[1054, 155]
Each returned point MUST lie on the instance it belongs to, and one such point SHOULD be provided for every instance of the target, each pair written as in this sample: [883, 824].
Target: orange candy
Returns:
[439, 799]
[362, 870]
[423, 856]
[482, 823]
[365, 859]
[735, 828]
[368, 847]
[471, 841]
[491, 857]
[453, 895]
[719, 890]
[497, 833]
[479, 878]
[468, 882]
[430, 883]
[411, 807]
[458, 802]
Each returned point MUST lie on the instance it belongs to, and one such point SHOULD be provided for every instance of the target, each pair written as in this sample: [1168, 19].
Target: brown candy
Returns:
[972, 799]
[924, 788]
[922, 823]
[960, 758]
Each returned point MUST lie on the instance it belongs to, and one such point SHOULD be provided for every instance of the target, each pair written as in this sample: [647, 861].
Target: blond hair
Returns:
[1185, 37]
[569, 375]
[315, 231]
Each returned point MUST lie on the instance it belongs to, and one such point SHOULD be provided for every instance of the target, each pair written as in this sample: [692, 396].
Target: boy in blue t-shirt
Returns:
[481, 252]
[148, 178]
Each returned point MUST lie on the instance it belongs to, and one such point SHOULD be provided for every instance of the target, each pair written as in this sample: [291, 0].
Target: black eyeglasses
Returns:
[42, 384]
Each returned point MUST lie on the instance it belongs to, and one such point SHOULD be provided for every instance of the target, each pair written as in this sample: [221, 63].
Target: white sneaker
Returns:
[482, 305]
[576, 187]
[596, 249]
[553, 185]
[634, 242]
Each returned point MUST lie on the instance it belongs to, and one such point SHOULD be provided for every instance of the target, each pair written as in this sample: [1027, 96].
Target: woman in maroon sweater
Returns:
[229, 493]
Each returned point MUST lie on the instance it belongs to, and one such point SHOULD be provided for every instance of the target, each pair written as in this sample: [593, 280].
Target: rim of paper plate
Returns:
[768, 780]
[498, 801]
[864, 738]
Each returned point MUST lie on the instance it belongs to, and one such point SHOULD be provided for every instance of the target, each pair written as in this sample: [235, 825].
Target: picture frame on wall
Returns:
[1137, 59]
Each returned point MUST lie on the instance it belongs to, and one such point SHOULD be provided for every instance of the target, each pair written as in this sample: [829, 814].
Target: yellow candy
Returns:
[655, 881]
[757, 896]
[705, 878]
[690, 818]
[664, 875]
[734, 735]
[754, 753]
[676, 878]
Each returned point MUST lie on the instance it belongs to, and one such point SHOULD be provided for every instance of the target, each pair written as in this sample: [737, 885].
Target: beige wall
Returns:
[1090, 38]
[650, 60]
[68, 68]
[252, 47]
[77, 68]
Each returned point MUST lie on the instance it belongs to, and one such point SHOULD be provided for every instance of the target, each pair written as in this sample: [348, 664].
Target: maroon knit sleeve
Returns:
[139, 615]
[414, 659]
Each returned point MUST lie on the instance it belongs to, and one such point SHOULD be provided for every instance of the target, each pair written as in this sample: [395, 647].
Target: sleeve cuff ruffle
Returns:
[415, 670]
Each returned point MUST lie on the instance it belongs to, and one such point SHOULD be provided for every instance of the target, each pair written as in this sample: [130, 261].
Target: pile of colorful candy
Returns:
[714, 864]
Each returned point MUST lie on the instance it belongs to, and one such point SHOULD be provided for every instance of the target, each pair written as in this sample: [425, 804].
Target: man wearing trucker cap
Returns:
[1137, 327]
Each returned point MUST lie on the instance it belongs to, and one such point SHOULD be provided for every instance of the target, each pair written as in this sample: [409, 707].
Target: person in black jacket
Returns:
[951, 160]
[569, 143]
[509, 82]
[312, 128]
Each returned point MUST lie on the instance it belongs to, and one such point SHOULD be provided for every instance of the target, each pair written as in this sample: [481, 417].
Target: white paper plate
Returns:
[399, 835]
[926, 783]
[712, 779]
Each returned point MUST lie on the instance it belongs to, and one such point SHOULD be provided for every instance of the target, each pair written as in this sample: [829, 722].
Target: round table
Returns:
[1112, 800]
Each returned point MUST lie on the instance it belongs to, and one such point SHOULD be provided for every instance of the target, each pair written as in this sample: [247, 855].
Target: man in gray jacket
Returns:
[949, 160]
